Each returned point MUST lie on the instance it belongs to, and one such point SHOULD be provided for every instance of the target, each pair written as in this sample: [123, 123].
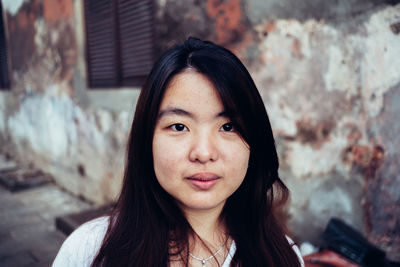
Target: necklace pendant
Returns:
[204, 263]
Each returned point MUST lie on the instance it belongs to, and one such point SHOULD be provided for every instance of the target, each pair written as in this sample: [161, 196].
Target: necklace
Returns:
[203, 261]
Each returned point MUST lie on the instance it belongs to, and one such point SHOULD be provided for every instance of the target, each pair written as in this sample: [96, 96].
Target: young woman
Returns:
[200, 177]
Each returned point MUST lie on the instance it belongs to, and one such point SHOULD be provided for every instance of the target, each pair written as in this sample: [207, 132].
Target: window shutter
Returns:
[4, 80]
[101, 38]
[120, 41]
[136, 39]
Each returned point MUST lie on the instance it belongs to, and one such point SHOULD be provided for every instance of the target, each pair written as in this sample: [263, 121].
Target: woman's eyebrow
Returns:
[182, 112]
[223, 114]
[175, 111]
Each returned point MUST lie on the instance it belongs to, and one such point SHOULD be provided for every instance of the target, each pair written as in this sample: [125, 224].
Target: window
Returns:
[119, 41]
[4, 81]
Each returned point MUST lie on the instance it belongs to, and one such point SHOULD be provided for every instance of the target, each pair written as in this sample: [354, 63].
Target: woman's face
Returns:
[199, 158]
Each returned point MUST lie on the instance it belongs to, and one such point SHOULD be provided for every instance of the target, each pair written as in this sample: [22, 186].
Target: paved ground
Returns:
[27, 230]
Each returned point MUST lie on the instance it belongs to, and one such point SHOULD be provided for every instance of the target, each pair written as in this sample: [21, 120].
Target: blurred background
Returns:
[328, 72]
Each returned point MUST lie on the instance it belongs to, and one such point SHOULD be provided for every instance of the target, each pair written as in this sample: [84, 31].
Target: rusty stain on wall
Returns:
[314, 134]
[23, 23]
[395, 27]
[382, 183]
[48, 41]
[320, 88]
[55, 11]
[228, 20]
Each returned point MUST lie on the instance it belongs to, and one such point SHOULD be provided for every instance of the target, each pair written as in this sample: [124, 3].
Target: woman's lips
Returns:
[203, 181]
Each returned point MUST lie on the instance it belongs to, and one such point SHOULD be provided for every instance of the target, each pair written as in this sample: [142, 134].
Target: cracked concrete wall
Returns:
[328, 73]
[45, 118]
[325, 86]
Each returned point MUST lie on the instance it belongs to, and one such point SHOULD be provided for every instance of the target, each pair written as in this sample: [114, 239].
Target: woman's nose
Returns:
[203, 148]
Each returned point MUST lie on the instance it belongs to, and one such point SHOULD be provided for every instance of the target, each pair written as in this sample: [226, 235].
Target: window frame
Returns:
[116, 33]
[4, 68]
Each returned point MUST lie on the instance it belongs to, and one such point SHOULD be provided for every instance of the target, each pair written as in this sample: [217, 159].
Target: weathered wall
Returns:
[50, 117]
[328, 73]
[327, 87]
[322, 97]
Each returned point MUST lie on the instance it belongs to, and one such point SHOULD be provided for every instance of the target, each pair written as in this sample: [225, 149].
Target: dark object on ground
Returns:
[327, 258]
[68, 223]
[20, 178]
[348, 242]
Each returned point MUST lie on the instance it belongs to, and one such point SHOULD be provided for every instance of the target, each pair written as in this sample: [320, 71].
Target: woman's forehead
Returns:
[191, 93]
[191, 86]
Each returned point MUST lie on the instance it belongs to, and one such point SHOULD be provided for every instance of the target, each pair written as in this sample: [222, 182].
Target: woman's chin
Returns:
[202, 206]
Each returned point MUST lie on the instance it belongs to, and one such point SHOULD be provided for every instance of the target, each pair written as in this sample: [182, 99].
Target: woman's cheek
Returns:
[239, 154]
[167, 155]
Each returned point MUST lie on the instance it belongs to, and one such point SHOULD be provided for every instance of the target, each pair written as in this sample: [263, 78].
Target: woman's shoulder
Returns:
[80, 248]
[232, 251]
[296, 250]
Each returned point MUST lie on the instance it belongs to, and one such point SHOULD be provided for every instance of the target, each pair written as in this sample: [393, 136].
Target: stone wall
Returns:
[328, 73]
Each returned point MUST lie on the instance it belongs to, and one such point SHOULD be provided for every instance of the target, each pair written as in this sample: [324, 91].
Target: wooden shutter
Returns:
[4, 80]
[101, 39]
[136, 39]
[120, 41]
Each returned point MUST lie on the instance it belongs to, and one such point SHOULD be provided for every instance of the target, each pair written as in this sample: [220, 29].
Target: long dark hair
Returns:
[147, 220]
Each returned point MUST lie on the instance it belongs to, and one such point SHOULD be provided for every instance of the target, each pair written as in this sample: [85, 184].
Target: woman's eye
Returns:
[178, 127]
[227, 127]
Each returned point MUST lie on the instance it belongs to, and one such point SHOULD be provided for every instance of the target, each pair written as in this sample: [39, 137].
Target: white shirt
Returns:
[80, 248]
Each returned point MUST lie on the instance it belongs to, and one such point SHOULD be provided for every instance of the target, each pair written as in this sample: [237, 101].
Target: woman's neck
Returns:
[207, 225]
[210, 241]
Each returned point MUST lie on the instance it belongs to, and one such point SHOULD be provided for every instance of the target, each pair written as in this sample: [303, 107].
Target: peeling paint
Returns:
[56, 11]
[395, 27]
[382, 189]
[324, 87]
[315, 201]
[379, 69]
[308, 162]
[54, 129]
[336, 199]
[13, 6]
[340, 72]
[331, 11]
[46, 124]
[22, 25]
[228, 20]
[40, 36]
[314, 134]
[104, 121]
